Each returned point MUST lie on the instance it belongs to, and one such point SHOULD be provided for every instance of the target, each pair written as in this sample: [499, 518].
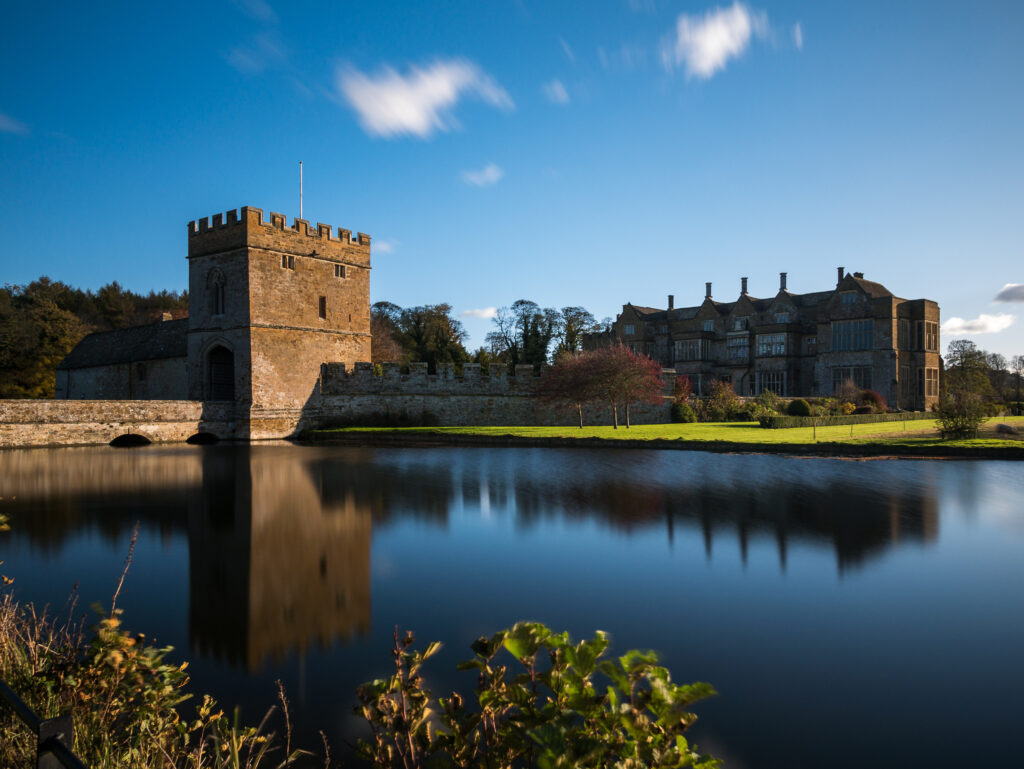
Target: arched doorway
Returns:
[220, 374]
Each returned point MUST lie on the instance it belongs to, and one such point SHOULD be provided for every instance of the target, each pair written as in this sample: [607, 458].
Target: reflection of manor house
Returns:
[796, 344]
[273, 567]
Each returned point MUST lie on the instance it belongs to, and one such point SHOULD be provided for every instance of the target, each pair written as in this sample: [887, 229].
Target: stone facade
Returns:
[795, 344]
[92, 422]
[470, 399]
[269, 304]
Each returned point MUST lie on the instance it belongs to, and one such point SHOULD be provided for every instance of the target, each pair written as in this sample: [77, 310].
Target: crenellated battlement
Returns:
[388, 379]
[366, 378]
[247, 225]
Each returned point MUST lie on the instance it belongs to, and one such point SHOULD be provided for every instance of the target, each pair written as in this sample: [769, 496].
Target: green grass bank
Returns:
[915, 438]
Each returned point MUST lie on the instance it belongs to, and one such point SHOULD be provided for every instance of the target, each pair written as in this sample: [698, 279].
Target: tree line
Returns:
[524, 333]
[40, 322]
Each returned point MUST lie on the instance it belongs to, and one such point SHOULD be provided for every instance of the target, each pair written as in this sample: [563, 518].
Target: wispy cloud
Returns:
[257, 9]
[568, 51]
[798, 36]
[485, 177]
[983, 324]
[704, 44]
[556, 93]
[641, 6]
[1011, 292]
[385, 246]
[483, 312]
[418, 103]
[263, 51]
[626, 57]
[9, 125]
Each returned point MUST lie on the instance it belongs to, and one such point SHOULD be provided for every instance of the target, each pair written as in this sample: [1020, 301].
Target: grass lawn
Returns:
[919, 433]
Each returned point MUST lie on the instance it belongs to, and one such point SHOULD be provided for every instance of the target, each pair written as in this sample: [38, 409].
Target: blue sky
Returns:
[568, 153]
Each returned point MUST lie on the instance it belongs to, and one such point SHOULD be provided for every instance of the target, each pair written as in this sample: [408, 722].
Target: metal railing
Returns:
[54, 736]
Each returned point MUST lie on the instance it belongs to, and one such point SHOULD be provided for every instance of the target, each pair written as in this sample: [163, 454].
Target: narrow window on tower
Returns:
[323, 307]
[339, 271]
[288, 262]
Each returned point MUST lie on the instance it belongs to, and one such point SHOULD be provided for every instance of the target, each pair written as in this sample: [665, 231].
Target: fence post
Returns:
[58, 730]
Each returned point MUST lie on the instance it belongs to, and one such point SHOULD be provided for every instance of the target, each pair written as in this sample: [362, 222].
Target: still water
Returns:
[848, 613]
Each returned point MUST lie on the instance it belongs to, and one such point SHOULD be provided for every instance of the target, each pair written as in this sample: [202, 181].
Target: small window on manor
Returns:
[323, 307]
[629, 330]
[339, 271]
[848, 297]
[781, 317]
[287, 262]
[709, 325]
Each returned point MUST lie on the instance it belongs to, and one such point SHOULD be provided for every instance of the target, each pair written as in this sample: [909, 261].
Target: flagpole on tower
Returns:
[300, 189]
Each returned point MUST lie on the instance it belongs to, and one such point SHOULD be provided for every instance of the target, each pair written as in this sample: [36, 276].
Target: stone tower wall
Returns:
[278, 280]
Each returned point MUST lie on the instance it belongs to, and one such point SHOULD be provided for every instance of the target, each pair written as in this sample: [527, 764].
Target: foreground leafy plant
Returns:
[560, 705]
[123, 694]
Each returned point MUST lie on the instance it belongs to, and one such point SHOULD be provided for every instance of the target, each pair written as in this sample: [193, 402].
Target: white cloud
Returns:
[483, 312]
[420, 102]
[384, 246]
[705, 44]
[257, 9]
[568, 51]
[983, 324]
[1011, 292]
[798, 36]
[486, 176]
[556, 93]
[11, 126]
[262, 51]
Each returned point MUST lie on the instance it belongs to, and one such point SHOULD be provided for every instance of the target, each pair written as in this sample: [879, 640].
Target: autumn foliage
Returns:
[615, 376]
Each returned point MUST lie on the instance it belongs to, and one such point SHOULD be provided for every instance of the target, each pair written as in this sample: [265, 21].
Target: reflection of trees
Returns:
[279, 536]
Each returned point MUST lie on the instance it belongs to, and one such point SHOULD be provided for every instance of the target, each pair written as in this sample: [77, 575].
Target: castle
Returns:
[276, 340]
[795, 344]
[268, 304]
[278, 333]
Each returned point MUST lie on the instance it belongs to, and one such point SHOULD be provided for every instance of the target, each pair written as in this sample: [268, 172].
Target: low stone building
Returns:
[795, 344]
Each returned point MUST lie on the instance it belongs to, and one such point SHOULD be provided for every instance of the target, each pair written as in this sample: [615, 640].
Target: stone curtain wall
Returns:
[81, 423]
[472, 399]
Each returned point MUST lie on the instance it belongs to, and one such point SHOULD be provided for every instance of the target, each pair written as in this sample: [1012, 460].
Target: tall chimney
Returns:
[782, 281]
[707, 290]
[743, 285]
[671, 302]
[840, 269]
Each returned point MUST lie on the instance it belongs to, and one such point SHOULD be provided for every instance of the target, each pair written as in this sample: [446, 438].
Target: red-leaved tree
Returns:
[621, 376]
[570, 381]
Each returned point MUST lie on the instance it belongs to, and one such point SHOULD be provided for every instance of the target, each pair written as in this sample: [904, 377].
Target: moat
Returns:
[848, 613]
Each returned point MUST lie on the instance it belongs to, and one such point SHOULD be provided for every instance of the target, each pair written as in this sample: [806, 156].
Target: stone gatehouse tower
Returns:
[268, 304]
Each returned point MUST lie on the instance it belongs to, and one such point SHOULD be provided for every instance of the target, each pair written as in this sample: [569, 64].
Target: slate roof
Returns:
[872, 289]
[165, 339]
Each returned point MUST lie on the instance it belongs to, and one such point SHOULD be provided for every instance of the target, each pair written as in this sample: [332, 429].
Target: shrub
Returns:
[799, 408]
[875, 400]
[683, 413]
[769, 401]
[682, 389]
[863, 410]
[555, 703]
[960, 417]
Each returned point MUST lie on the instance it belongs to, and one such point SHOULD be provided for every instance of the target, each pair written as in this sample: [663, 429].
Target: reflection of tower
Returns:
[272, 568]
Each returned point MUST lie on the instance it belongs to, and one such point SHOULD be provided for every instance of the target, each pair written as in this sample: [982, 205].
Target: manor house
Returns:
[795, 344]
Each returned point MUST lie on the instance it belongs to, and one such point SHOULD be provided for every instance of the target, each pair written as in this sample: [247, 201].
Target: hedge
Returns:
[783, 422]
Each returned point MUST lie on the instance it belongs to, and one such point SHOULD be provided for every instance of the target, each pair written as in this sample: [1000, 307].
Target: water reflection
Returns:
[274, 563]
[279, 537]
